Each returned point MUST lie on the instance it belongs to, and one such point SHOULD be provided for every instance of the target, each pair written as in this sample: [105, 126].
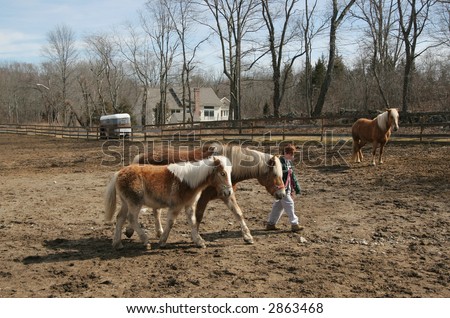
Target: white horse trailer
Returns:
[115, 126]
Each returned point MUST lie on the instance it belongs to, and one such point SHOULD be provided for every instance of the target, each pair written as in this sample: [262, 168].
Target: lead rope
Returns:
[288, 180]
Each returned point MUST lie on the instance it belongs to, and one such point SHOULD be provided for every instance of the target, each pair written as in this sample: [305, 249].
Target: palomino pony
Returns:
[376, 131]
[175, 186]
[246, 164]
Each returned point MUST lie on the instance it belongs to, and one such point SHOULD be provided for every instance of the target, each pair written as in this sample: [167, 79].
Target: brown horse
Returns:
[246, 163]
[376, 131]
[175, 186]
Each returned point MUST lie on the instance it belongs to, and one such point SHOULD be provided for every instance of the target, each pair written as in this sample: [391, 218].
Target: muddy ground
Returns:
[369, 231]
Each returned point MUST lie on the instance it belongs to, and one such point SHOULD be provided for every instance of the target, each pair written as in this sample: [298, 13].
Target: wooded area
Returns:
[269, 66]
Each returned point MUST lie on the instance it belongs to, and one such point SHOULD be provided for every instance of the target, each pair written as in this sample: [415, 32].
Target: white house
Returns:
[205, 103]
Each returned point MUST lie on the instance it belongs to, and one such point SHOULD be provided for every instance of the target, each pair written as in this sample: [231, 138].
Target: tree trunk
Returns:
[335, 22]
[144, 106]
[328, 75]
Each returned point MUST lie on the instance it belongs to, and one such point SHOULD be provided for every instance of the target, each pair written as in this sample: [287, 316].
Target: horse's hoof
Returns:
[200, 245]
[162, 245]
[129, 232]
[147, 246]
[144, 239]
[249, 241]
[117, 246]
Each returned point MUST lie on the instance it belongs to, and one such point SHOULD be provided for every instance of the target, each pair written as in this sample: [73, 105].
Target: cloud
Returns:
[18, 45]
[24, 24]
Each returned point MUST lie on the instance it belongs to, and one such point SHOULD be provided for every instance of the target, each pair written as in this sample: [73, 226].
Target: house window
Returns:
[224, 113]
[208, 112]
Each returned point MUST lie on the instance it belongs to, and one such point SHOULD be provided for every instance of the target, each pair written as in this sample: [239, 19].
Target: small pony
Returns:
[246, 164]
[174, 186]
[376, 131]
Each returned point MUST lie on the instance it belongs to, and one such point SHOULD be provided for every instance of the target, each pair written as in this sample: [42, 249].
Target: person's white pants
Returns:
[283, 205]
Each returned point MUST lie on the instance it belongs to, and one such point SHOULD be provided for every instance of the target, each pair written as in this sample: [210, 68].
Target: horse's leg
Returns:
[157, 220]
[357, 150]
[133, 217]
[234, 207]
[171, 217]
[120, 220]
[129, 229]
[380, 161]
[196, 238]
[355, 156]
[360, 152]
[207, 194]
[158, 227]
[374, 151]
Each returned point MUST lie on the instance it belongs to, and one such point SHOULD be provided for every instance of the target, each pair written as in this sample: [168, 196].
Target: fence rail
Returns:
[415, 126]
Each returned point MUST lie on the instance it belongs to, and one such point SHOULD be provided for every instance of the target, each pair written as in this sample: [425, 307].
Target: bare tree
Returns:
[107, 67]
[91, 108]
[276, 14]
[234, 20]
[157, 23]
[442, 22]
[384, 45]
[136, 48]
[183, 14]
[19, 101]
[413, 18]
[336, 19]
[62, 53]
[309, 31]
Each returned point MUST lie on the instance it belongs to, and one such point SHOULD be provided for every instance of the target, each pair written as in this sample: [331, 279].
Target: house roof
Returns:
[174, 96]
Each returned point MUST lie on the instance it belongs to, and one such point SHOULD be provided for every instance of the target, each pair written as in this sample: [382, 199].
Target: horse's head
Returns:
[221, 176]
[273, 179]
[393, 117]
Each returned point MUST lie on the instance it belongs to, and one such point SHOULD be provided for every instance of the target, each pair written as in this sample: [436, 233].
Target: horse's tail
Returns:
[110, 198]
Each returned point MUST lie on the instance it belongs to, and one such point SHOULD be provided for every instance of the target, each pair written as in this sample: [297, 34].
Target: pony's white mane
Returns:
[194, 173]
[249, 162]
[383, 119]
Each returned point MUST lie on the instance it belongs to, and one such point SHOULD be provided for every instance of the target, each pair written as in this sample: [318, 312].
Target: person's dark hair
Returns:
[289, 149]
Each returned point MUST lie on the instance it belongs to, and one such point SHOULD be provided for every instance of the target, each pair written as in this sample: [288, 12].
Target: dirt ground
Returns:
[369, 231]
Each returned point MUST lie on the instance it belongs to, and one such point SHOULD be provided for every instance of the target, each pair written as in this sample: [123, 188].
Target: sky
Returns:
[24, 24]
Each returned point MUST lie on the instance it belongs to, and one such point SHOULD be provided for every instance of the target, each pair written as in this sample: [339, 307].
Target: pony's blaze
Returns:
[223, 183]
[393, 118]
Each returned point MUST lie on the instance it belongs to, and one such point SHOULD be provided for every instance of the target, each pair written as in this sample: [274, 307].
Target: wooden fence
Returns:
[418, 126]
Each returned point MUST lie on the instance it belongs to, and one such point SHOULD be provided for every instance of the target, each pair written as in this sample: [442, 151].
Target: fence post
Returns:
[322, 129]
[421, 131]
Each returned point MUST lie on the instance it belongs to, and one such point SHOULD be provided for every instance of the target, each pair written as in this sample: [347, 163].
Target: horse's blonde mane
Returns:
[383, 119]
[249, 162]
[194, 173]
